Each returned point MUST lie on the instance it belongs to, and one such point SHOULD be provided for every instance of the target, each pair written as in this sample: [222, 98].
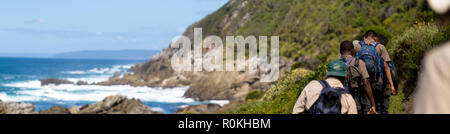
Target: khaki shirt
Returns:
[381, 50]
[361, 67]
[312, 91]
[433, 90]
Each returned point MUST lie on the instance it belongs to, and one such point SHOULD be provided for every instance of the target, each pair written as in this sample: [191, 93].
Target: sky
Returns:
[55, 26]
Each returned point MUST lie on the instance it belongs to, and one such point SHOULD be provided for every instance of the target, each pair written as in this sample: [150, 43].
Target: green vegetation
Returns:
[408, 48]
[383, 34]
[281, 98]
[408, 51]
[312, 30]
[254, 95]
[397, 105]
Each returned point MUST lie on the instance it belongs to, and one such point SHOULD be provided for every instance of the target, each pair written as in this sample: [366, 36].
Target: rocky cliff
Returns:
[157, 72]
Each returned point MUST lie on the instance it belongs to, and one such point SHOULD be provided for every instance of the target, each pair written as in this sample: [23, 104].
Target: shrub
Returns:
[254, 95]
[296, 65]
[281, 98]
[408, 51]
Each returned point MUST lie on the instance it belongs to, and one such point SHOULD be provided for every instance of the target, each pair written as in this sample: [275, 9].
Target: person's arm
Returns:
[299, 106]
[368, 89]
[352, 109]
[389, 77]
[387, 69]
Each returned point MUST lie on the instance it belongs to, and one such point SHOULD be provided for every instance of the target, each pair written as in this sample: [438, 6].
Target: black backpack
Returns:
[329, 101]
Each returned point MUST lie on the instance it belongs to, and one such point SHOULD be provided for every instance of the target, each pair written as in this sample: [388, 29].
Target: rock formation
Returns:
[198, 109]
[55, 81]
[110, 105]
[16, 108]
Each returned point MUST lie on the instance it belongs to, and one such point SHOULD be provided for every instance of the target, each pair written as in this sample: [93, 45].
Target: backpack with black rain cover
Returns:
[329, 101]
[374, 62]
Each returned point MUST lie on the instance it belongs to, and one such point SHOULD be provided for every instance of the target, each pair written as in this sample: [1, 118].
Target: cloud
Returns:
[119, 37]
[133, 40]
[35, 21]
[125, 39]
[71, 34]
[56, 33]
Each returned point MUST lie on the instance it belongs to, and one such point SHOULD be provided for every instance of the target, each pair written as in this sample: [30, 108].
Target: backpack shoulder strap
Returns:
[324, 83]
[376, 44]
[343, 91]
[349, 60]
[362, 43]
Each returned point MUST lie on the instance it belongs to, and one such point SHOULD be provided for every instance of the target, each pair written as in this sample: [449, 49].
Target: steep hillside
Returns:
[309, 30]
[408, 36]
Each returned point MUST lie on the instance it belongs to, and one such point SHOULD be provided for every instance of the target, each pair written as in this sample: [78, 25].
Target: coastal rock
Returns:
[55, 81]
[110, 105]
[82, 83]
[233, 86]
[198, 109]
[74, 110]
[16, 108]
[213, 86]
[56, 110]
[116, 105]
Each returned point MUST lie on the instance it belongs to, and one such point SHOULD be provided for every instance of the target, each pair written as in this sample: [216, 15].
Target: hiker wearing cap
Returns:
[327, 96]
[357, 80]
[379, 67]
[433, 90]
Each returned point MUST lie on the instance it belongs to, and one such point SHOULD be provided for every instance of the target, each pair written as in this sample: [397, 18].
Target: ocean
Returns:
[19, 82]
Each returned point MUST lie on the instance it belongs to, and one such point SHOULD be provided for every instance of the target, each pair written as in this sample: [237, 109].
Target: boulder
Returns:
[116, 105]
[55, 81]
[110, 105]
[198, 109]
[16, 108]
[56, 110]
[82, 83]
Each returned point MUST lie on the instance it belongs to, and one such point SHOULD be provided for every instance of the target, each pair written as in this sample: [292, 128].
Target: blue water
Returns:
[19, 82]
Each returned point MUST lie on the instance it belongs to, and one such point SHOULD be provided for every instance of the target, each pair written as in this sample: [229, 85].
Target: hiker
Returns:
[327, 96]
[379, 68]
[433, 90]
[357, 79]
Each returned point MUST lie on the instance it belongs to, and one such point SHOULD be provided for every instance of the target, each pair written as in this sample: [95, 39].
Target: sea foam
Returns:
[70, 92]
[32, 90]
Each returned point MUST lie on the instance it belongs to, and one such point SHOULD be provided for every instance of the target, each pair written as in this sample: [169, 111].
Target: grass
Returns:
[397, 105]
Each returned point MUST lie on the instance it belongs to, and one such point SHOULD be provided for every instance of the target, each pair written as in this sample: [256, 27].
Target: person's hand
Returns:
[372, 111]
[393, 91]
